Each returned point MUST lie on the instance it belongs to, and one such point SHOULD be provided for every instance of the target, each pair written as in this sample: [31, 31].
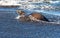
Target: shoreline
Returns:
[13, 6]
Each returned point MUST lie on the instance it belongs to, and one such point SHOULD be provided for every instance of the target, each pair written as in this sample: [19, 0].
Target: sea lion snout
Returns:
[20, 12]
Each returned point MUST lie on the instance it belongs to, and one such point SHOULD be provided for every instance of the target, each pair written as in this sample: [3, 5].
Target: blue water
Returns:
[13, 28]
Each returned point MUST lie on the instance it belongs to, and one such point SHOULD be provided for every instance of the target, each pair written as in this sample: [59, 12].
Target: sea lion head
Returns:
[21, 13]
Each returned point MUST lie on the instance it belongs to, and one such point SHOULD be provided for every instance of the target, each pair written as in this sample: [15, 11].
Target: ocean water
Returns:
[13, 28]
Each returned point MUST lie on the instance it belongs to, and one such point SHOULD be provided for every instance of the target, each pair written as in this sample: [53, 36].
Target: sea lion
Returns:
[31, 17]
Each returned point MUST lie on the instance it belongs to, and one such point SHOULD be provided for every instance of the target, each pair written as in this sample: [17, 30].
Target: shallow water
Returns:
[13, 28]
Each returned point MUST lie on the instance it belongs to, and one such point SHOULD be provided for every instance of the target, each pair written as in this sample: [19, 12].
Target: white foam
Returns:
[54, 1]
[17, 17]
